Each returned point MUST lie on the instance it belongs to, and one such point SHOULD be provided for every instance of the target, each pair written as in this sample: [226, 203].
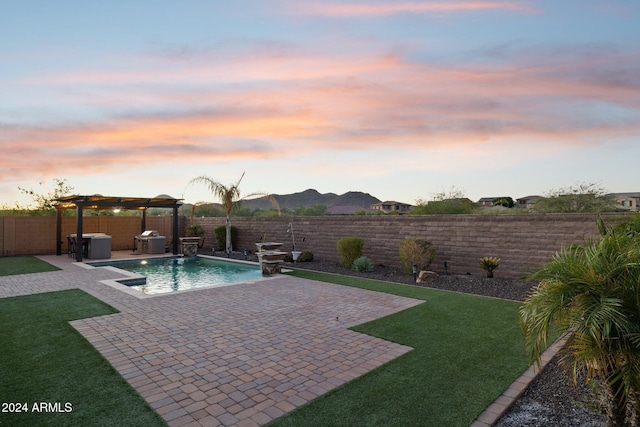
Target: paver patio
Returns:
[236, 355]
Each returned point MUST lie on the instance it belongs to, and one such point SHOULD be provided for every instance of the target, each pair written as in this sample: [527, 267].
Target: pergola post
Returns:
[143, 222]
[175, 231]
[58, 230]
[79, 245]
[100, 202]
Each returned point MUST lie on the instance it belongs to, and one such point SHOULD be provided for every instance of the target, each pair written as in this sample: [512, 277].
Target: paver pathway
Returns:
[236, 355]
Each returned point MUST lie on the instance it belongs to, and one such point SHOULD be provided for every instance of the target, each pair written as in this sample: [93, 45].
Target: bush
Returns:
[415, 251]
[221, 237]
[305, 256]
[362, 264]
[349, 248]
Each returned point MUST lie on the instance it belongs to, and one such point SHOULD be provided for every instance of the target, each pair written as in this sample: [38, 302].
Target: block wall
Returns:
[522, 242]
[37, 235]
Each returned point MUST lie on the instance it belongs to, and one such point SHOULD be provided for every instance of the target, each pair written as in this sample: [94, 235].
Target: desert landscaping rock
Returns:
[426, 276]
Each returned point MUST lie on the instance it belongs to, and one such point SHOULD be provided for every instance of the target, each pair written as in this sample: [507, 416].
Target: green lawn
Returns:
[468, 350]
[23, 265]
[44, 360]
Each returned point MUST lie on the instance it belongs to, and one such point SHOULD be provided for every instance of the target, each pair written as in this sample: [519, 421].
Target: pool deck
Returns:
[238, 355]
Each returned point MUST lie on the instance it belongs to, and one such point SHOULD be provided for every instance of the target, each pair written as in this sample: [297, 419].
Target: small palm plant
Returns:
[489, 263]
[591, 293]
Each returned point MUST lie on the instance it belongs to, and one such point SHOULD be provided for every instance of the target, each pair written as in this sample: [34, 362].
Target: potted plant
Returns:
[196, 230]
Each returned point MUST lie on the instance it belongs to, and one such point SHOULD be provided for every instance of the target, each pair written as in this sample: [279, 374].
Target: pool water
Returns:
[165, 275]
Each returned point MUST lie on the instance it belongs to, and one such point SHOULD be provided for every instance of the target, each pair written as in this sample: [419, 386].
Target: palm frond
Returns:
[592, 292]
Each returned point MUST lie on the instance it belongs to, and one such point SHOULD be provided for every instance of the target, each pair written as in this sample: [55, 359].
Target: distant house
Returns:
[626, 201]
[391, 206]
[486, 202]
[527, 202]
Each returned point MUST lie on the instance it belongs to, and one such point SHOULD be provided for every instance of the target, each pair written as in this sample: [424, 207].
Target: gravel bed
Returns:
[549, 400]
[497, 287]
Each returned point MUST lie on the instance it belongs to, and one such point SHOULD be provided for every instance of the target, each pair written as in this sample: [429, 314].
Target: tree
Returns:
[452, 202]
[42, 203]
[229, 196]
[581, 197]
[591, 292]
[315, 210]
[507, 202]
[441, 207]
[208, 209]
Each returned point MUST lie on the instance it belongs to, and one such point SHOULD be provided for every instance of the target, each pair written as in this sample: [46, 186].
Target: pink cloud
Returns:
[299, 103]
[394, 8]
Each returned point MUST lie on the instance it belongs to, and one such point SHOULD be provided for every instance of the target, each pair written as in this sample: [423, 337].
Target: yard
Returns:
[467, 350]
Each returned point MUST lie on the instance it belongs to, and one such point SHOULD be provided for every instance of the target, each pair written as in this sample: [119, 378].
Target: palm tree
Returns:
[229, 195]
[591, 292]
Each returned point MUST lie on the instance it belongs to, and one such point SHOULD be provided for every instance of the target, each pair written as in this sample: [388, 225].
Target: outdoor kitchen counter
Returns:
[95, 245]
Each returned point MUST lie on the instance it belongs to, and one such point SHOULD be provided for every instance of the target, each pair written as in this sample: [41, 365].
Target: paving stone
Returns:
[254, 350]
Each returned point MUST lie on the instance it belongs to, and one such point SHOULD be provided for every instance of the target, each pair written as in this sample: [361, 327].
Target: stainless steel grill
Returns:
[150, 242]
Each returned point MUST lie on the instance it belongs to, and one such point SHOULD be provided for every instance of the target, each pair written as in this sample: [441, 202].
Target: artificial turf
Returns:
[45, 364]
[467, 351]
[23, 265]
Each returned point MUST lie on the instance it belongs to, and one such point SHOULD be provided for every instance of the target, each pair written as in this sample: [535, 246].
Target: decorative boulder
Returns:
[426, 276]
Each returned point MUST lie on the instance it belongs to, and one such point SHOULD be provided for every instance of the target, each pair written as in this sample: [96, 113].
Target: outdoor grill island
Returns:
[150, 242]
[92, 245]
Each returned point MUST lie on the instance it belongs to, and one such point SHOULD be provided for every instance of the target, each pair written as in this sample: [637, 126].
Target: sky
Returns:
[403, 100]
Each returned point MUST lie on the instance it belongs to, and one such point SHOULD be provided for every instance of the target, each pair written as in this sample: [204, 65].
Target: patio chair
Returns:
[71, 246]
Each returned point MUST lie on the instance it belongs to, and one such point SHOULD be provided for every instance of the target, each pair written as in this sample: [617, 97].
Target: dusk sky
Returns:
[399, 99]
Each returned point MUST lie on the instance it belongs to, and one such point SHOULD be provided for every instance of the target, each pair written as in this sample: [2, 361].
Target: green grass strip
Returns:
[24, 265]
[45, 360]
[467, 351]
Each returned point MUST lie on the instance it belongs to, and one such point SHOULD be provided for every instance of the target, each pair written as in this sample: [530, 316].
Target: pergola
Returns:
[79, 203]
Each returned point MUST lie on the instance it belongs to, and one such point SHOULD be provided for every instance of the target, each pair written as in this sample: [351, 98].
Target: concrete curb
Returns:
[497, 409]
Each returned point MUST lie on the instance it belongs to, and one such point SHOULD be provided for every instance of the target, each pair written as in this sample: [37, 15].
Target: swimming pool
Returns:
[171, 274]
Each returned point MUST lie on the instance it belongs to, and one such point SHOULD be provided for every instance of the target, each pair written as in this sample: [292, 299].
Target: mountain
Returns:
[312, 197]
[355, 198]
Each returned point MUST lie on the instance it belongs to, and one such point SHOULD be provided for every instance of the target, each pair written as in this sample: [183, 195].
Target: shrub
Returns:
[195, 230]
[362, 264]
[305, 256]
[415, 251]
[489, 263]
[349, 249]
[221, 237]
